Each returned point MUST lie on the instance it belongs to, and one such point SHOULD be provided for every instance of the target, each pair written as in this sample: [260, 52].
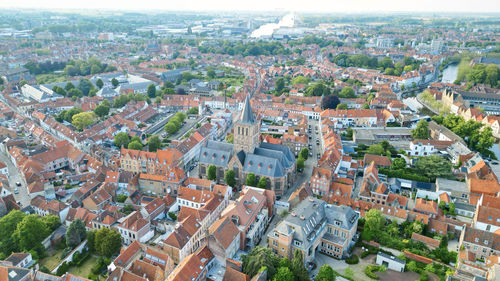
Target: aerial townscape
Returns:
[193, 145]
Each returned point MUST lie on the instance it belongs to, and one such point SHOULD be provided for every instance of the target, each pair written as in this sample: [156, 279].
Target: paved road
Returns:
[15, 176]
[310, 162]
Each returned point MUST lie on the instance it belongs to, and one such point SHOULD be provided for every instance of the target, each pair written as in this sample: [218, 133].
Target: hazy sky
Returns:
[266, 5]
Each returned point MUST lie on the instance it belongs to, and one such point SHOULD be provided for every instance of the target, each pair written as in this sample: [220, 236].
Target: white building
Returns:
[39, 93]
[391, 262]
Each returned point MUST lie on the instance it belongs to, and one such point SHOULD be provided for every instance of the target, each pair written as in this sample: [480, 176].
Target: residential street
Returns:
[15, 176]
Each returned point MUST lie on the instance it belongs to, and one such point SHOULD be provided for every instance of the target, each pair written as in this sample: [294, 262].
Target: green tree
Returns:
[262, 183]
[212, 172]
[229, 177]
[151, 90]
[433, 167]
[171, 127]
[318, 89]
[250, 179]
[304, 153]
[85, 85]
[298, 268]
[75, 233]
[52, 222]
[69, 86]
[154, 143]
[300, 163]
[284, 274]
[279, 84]
[347, 92]
[74, 92]
[374, 221]
[121, 139]
[342, 106]
[451, 208]
[8, 225]
[492, 75]
[366, 106]
[91, 240]
[114, 82]
[102, 109]
[258, 258]
[485, 141]
[135, 145]
[158, 100]
[300, 80]
[421, 131]
[211, 73]
[30, 233]
[99, 83]
[83, 120]
[107, 242]
[325, 273]
[398, 164]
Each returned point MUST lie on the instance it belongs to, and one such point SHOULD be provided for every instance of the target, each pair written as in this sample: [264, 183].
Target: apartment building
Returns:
[315, 226]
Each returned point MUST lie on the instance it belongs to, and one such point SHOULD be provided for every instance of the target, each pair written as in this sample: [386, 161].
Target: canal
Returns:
[450, 73]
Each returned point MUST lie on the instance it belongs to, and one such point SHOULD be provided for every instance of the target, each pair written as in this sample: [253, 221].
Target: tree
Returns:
[325, 273]
[69, 86]
[398, 164]
[492, 75]
[318, 89]
[300, 163]
[74, 92]
[342, 106]
[121, 139]
[154, 143]
[158, 100]
[347, 92]
[75, 233]
[8, 224]
[212, 172]
[258, 258]
[284, 274]
[250, 179]
[114, 82]
[298, 268]
[374, 221]
[85, 85]
[151, 91]
[135, 145]
[99, 83]
[262, 183]
[83, 120]
[451, 208]
[102, 109]
[329, 102]
[52, 222]
[171, 128]
[91, 240]
[211, 73]
[229, 177]
[485, 140]
[421, 132]
[300, 80]
[280, 84]
[30, 233]
[433, 167]
[304, 153]
[366, 106]
[107, 242]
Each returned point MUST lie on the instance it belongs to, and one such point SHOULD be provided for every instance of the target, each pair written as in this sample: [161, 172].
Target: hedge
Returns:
[352, 260]
[369, 271]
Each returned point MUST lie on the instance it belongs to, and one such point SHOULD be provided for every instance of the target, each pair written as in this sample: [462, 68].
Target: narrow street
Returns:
[15, 176]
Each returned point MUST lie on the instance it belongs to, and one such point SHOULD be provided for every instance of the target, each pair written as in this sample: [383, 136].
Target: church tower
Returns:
[246, 130]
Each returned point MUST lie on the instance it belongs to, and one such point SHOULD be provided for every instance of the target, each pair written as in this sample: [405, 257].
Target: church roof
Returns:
[247, 116]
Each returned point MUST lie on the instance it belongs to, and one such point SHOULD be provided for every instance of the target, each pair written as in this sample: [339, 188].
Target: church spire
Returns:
[247, 114]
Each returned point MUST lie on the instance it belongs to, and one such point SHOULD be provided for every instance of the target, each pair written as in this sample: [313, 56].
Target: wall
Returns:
[69, 257]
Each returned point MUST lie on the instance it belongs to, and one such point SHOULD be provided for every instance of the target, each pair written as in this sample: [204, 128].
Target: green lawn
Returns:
[52, 259]
[85, 268]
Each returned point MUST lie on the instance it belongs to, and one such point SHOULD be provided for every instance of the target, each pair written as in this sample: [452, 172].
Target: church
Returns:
[248, 155]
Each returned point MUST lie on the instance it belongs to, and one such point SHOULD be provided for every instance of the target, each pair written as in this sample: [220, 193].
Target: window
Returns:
[275, 243]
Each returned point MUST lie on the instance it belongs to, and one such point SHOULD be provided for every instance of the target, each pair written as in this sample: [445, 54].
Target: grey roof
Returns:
[283, 148]
[263, 166]
[307, 219]
[451, 185]
[216, 153]
[465, 206]
[247, 114]
[107, 91]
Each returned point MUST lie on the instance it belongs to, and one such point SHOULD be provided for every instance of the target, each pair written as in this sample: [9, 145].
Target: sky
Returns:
[324, 6]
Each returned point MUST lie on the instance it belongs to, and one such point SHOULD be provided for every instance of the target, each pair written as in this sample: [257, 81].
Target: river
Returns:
[450, 74]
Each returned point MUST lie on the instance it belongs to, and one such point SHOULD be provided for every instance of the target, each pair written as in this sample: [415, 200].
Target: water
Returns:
[495, 148]
[268, 29]
[450, 74]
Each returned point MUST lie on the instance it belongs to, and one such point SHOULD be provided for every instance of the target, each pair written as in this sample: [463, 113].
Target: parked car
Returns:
[18, 183]
[16, 191]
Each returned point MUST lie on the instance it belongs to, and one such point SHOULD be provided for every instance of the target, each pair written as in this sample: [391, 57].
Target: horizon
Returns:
[489, 7]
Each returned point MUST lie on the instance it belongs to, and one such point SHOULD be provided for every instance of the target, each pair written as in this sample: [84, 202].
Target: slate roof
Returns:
[247, 116]
[216, 153]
